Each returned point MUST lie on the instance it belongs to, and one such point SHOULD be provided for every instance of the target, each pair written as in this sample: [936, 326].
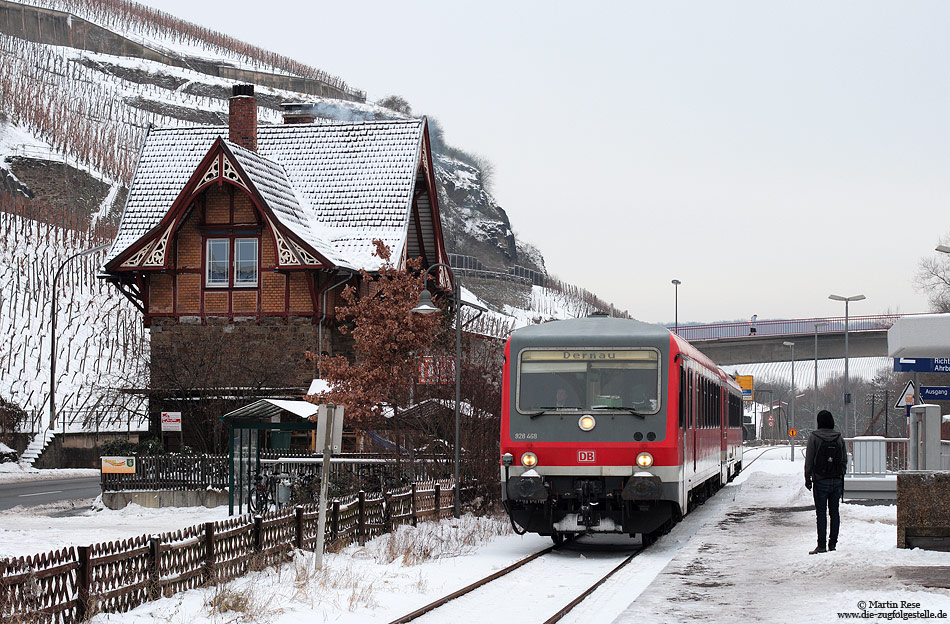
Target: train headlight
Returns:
[644, 460]
[529, 460]
[586, 423]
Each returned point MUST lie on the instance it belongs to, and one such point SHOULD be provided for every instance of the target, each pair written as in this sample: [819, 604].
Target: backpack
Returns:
[828, 459]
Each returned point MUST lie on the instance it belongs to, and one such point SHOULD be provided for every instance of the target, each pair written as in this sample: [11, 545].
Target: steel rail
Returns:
[561, 613]
[590, 590]
[488, 579]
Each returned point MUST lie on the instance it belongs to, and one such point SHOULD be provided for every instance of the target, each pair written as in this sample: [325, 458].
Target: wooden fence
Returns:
[73, 584]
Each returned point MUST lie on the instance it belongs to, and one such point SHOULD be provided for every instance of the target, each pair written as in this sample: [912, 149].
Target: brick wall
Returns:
[217, 205]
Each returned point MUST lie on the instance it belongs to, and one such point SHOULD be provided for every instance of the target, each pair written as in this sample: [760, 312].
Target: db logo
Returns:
[585, 456]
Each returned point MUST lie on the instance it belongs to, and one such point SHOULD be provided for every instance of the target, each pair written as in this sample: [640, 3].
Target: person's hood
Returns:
[827, 435]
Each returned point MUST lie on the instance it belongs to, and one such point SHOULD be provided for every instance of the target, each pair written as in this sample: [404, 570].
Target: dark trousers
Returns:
[827, 493]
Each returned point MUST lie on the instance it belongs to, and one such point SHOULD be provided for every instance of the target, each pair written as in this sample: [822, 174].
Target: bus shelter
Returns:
[264, 424]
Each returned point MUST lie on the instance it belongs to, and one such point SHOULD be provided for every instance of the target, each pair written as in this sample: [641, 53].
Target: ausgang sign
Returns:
[935, 393]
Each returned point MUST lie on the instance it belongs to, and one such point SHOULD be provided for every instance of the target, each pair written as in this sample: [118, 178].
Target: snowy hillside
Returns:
[100, 339]
[71, 124]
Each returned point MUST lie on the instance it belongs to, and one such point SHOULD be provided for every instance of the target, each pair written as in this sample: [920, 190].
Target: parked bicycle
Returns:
[269, 491]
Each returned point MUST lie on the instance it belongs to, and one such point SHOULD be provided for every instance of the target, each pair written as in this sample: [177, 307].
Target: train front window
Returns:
[578, 380]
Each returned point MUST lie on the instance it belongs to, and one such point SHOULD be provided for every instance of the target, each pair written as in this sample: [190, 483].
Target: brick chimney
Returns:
[242, 117]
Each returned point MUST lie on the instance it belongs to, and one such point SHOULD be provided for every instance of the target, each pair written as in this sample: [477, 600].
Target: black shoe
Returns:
[831, 547]
[818, 549]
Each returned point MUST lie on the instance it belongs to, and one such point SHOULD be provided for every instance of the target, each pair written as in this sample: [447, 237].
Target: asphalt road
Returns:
[29, 493]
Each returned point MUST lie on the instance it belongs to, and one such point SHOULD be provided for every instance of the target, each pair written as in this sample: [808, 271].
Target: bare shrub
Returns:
[250, 604]
[428, 541]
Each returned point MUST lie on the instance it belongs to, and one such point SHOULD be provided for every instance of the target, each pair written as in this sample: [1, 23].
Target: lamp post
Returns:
[52, 343]
[817, 325]
[768, 392]
[791, 423]
[847, 395]
[426, 307]
[676, 306]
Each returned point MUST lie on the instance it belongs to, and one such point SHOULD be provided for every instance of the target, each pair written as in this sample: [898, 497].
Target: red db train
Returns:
[612, 425]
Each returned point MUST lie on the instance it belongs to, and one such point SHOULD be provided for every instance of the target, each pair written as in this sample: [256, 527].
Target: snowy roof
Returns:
[264, 409]
[335, 185]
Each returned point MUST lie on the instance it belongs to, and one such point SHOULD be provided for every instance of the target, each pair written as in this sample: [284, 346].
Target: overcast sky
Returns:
[765, 154]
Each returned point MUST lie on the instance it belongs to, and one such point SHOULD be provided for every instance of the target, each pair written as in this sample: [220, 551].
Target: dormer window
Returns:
[219, 252]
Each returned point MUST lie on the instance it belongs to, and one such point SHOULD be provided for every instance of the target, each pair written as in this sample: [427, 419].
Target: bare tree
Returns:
[396, 103]
[386, 337]
[933, 279]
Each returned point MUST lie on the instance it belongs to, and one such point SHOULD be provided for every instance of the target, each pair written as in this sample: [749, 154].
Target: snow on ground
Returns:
[42, 528]
[749, 560]
[13, 472]
[741, 556]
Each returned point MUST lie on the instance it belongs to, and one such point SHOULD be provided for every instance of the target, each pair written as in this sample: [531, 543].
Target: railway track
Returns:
[485, 591]
[543, 607]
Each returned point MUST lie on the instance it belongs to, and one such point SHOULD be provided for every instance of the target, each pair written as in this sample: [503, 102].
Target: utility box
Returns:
[924, 434]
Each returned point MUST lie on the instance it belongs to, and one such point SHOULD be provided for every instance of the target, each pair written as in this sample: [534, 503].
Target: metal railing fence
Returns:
[783, 327]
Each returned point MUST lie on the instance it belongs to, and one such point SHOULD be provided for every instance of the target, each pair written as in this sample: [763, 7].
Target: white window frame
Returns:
[255, 258]
[212, 283]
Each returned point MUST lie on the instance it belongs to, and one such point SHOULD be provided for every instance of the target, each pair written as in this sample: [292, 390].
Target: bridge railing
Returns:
[784, 327]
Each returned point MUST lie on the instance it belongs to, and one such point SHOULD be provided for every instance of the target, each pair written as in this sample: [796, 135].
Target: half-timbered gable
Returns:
[251, 227]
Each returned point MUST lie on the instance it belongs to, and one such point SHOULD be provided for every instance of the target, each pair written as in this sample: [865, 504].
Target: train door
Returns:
[723, 419]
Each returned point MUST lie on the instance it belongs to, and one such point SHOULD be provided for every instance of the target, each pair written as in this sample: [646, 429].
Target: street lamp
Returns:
[847, 395]
[817, 325]
[676, 306]
[771, 397]
[791, 423]
[52, 344]
[426, 307]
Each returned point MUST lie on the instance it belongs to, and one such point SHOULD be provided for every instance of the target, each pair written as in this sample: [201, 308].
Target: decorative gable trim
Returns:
[157, 257]
[221, 169]
[212, 174]
[230, 173]
[304, 255]
[285, 254]
[136, 260]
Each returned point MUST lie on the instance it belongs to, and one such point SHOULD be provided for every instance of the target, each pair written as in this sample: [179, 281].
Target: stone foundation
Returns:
[165, 498]
[923, 509]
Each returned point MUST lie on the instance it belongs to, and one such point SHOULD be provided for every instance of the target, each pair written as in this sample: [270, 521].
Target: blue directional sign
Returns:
[922, 365]
[935, 393]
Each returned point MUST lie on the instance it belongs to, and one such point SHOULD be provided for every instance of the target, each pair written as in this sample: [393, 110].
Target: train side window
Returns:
[692, 415]
[682, 406]
[704, 403]
[699, 402]
[703, 408]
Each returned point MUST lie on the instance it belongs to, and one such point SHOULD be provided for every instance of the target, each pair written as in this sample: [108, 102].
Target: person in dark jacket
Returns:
[826, 481]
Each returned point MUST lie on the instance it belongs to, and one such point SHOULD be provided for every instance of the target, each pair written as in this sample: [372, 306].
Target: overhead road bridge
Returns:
[735, 343]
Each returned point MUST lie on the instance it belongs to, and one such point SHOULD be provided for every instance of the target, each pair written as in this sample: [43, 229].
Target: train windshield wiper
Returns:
[619, 407]
[552, 408]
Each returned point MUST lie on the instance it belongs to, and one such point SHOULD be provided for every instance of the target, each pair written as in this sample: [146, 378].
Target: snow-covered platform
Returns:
[743, 556]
